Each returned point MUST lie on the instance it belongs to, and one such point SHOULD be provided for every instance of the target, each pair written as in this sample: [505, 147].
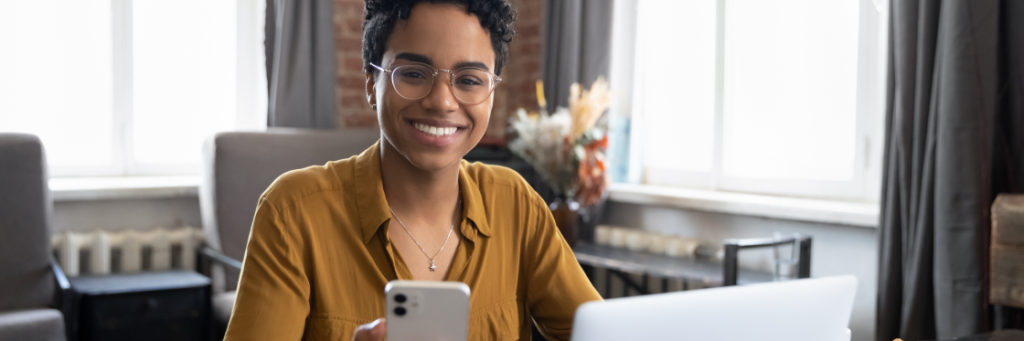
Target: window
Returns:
[131, 87]
[778, 97]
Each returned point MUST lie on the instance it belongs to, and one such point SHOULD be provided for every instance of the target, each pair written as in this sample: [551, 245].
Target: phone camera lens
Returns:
[400, 311]
[400, 298]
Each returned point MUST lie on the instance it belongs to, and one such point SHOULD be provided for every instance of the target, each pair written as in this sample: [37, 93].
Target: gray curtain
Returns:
[953, 128]
[577, 46]
[300, 64]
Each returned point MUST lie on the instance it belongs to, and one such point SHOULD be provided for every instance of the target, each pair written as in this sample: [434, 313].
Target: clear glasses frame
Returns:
[492, 82]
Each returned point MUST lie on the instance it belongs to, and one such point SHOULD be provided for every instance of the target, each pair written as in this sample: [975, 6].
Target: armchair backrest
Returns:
[239, 166]
[732, 247]
[1006, 271]
[26, 280]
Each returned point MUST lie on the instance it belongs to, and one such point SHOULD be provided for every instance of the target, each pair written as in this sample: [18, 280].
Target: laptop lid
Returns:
[810, 309]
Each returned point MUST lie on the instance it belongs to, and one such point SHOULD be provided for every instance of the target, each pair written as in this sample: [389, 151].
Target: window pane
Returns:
[790, 89]
[676, 82]
[184, 77]
[57, 78]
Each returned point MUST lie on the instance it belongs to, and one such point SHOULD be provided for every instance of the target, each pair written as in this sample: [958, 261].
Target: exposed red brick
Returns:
[352, 82]
[348, 43]
[354, 26]
[531, 67]
[529, 30]
[528, 50]
[349, 54]
[361, 121]
[349, 8]
[354, 101]
[359, 90]
[354, 64]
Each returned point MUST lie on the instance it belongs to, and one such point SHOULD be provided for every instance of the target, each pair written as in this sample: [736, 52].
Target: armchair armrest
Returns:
[58, 274]
[208, 255]
[66, 299]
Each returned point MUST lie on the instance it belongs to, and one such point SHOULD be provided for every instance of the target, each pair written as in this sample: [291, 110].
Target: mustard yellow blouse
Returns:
[318, 259]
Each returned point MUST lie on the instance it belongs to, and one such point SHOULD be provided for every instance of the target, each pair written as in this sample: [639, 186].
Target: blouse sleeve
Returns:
[272, 301]
[557, 284]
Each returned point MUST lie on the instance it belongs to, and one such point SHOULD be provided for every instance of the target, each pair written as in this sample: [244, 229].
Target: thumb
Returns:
[373, 331]
[379, 331]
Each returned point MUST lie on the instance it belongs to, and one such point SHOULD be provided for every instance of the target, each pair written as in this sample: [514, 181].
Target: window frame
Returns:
[626, 79]
[250, 95]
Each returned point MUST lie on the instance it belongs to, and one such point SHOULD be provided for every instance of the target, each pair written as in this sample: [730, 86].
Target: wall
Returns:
[836, 249]
[516, 89]
[519, 79]
[128, 214]
[353, 110]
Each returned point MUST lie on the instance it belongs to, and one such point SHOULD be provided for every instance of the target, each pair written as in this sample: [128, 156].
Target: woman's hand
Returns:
[373, 331]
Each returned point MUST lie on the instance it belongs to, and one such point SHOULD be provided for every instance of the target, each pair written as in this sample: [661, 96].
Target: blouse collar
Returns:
[373, 206]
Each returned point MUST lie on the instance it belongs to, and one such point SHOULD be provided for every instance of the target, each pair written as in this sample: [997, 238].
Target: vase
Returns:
[567, 218]
[589, 219]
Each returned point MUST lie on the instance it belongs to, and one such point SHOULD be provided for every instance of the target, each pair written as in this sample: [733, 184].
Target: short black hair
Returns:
[496, 16]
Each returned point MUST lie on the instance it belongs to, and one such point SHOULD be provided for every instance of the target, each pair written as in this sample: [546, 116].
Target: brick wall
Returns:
[353, 111]
[518, 86]
[518, 78]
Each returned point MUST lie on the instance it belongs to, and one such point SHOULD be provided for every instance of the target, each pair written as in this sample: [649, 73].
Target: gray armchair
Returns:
[238, 167]
[31, 282]
[730, 265]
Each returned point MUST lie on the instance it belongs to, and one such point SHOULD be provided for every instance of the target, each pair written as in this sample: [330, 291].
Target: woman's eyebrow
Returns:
[474, 65]
[412, 57]
[418, 58]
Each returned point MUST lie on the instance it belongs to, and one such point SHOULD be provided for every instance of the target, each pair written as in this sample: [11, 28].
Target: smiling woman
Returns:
[432, 36]
[327, 239]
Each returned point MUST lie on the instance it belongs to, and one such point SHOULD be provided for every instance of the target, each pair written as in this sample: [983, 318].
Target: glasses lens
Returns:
[472, 86]
[412, 81]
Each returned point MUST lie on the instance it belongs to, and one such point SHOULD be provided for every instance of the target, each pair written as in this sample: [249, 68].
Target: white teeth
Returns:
[436, 131]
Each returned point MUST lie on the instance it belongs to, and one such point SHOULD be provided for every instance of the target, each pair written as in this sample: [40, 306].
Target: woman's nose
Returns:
[441, 98]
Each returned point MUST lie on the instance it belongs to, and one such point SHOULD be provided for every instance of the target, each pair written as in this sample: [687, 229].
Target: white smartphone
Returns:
[427, 310]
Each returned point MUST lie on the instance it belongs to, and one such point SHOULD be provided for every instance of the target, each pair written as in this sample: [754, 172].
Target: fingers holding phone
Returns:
[373, 331]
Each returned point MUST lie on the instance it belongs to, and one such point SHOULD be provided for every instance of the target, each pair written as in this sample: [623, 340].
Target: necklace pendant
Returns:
[432, 266]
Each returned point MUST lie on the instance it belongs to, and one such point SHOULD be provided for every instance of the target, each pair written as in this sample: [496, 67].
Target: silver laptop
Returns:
[809, 309]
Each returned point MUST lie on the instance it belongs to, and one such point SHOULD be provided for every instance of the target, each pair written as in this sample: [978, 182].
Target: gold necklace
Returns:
[450, 229]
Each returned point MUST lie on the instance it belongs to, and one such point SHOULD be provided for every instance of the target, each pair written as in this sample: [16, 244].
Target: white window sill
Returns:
[800, 209]
[119, 188]
[811, 210]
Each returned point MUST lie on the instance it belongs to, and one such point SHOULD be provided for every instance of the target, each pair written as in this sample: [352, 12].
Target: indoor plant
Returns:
[568, 149]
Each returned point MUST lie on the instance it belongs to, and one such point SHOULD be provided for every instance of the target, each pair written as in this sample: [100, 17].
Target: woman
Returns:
[326, 239]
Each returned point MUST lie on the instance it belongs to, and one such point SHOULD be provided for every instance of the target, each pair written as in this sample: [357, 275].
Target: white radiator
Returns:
[133, 246]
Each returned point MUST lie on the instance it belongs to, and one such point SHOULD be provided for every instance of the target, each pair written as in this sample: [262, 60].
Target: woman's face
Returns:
[445, 37]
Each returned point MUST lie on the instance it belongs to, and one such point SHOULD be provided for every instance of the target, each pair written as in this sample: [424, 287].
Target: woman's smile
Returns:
[435, 133]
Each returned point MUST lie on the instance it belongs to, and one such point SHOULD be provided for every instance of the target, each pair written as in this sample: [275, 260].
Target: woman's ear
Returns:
[371, 90]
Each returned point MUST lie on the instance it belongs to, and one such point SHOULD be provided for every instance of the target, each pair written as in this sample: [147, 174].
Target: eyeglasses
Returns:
[414, 81]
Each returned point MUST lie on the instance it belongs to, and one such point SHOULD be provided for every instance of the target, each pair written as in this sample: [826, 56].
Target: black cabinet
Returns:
[172, 305]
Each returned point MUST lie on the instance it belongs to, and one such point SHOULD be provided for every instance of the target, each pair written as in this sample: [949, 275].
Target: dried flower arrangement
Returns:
[568, 147]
